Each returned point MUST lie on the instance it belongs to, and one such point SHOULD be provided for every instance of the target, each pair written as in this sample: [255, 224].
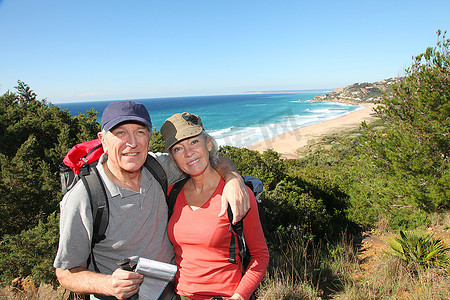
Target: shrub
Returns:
[34, 138]
[31, 252]
[291, 204]
[415, 147]
[420, 249]
[156, 142]
[268, 166]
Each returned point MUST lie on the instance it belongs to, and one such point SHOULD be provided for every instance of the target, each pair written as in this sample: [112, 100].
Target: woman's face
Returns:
[192, 154]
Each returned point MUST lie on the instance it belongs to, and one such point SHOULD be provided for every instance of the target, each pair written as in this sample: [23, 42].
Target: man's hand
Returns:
[235, 193]
[125, 283]
[121, 284]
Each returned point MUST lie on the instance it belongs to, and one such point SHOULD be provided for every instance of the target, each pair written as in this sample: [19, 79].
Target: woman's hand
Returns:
[234, 297]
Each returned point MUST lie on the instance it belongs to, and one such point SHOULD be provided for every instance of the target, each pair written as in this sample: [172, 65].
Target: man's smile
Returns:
[131, 154]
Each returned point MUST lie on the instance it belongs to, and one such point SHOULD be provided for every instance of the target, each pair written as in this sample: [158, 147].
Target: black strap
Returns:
[99, 199]
[231, 256]
[84, 158]
[155, 168]
[172, 198]
[236, 230]
[99, 206]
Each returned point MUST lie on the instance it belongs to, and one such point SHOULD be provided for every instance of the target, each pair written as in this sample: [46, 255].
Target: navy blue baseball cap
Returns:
[123, 111]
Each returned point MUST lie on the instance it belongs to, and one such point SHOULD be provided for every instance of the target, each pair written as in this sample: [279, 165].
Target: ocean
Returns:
[237, 120]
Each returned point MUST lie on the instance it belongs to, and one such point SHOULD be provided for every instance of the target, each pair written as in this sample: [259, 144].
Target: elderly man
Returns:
[137, 208]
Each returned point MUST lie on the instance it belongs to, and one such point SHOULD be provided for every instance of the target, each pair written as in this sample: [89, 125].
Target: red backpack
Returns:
[80, 155]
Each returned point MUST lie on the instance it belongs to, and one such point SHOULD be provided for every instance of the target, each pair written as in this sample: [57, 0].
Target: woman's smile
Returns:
[193, 162]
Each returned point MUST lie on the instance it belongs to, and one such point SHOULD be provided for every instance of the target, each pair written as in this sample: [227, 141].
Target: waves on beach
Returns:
[238, 120]
[245, 136]
[320, 111]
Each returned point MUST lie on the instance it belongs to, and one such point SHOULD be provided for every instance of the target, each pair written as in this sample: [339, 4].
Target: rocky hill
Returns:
[360, 92]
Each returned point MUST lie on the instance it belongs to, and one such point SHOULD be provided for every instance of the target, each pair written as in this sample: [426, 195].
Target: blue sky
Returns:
[106, 49]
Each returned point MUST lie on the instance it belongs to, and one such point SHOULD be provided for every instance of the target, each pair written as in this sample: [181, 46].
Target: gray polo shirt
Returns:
[137, 222]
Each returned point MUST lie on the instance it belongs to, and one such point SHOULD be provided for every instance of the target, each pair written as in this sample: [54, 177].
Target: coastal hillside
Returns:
[360, 92]
[329, 214]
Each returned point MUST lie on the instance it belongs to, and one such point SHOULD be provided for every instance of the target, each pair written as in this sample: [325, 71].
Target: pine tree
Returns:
[34, 137]
[415, 149]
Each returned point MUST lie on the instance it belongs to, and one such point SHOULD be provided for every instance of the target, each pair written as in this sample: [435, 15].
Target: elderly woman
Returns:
[200, 238]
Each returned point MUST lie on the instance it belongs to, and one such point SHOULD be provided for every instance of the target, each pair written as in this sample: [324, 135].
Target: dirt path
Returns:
[372, 246]
[371, 250]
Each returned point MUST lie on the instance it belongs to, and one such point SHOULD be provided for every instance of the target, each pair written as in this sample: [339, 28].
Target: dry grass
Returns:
[283, 287]
[27, 290]
[291, 272]
[384, 276]
[301, 269]
[391, 279]
[350, 271]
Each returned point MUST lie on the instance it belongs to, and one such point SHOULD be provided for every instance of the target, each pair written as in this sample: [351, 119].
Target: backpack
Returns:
[80, 164]
[256, 185]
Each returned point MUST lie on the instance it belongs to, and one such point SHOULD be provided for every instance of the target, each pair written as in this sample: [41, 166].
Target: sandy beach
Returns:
[286, 144]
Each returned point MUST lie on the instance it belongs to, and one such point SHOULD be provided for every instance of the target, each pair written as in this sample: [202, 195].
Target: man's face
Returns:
[127, 147]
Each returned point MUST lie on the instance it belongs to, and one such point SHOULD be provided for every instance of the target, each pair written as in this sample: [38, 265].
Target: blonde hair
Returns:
[215, 146]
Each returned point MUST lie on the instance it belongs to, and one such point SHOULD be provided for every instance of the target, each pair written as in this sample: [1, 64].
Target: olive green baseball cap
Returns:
[179, 127]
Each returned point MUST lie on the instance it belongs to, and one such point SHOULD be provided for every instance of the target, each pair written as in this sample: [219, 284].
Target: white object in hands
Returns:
[156, 276]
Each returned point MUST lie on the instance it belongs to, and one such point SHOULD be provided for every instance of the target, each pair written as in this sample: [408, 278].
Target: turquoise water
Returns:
[238, 120]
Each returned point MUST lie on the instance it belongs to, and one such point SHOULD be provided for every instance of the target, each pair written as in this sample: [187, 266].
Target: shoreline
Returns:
[287, 143]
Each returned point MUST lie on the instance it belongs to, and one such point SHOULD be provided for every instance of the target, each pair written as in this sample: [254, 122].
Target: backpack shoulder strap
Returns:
[256, 185]
[99, 205]
[155, 168]
[99, 200]
[237, 230]
[172, 198]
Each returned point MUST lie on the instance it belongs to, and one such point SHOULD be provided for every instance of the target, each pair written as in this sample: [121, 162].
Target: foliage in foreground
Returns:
[34, 137]
[291, 202]
[415, 147]
[391, 279]
[31, 252]
[421, 250]
[303, 269]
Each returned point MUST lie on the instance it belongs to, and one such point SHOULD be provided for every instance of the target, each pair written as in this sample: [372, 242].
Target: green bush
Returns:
[268, 166]
[31, 252]
[415, 148]
[34, 138]
[421, 249]
[290, 204]
[314, 206]
[156, 142]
